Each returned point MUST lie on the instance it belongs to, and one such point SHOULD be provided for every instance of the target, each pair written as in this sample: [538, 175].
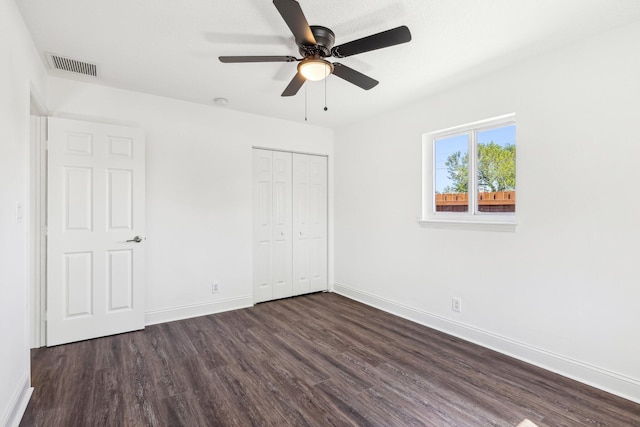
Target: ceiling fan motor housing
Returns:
[325, 38]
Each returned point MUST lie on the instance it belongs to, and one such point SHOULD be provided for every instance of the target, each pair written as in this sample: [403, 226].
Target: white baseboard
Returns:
[18, 404]
[606, 380]
[171, 314]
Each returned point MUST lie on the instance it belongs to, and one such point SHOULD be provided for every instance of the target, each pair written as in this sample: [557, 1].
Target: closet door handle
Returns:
[136, 239]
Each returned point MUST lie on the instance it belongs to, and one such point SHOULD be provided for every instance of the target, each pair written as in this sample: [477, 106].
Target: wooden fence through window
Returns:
[497, 201]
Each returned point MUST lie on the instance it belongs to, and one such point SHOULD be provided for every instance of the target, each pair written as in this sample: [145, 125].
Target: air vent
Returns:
[58, 62]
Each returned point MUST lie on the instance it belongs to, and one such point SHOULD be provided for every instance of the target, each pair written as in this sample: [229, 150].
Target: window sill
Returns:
[468, 225]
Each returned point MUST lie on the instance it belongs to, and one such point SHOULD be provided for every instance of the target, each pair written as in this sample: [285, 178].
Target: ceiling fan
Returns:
[315, 43]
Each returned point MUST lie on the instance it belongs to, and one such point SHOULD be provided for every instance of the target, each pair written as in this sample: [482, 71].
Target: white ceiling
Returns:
[170, 47]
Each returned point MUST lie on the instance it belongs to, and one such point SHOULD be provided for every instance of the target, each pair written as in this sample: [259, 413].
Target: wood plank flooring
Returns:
[316, 360]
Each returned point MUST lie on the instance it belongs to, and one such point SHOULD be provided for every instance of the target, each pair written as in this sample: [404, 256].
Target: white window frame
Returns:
[472, 219]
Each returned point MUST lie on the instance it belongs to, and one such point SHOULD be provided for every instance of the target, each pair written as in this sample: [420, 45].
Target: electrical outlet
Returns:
[456, 304]
[215, 287]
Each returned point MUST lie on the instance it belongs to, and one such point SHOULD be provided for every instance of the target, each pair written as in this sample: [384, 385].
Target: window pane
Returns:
[451, 180]
[496, 169]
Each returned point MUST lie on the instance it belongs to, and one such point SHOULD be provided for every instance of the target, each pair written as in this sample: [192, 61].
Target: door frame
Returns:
[37, 214]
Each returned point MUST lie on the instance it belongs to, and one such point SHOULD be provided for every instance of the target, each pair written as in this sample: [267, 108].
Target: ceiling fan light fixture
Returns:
[315, 69]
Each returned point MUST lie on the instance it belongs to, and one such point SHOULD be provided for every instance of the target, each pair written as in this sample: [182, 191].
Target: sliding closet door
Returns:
[271, 225]
[309, 223]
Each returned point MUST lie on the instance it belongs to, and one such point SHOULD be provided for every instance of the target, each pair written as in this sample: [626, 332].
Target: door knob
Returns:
[136, 239]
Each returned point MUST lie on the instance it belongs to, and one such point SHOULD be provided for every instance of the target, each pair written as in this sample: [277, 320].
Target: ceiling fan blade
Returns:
[387, 38]
[235, 59]
[295, 19]
[294, 85]
[353, 76]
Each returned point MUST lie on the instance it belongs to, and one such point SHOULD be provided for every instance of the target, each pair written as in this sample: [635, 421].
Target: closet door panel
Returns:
[318, 224]
[309, 223]
[262, 225]
[301, 247]
[281, 237]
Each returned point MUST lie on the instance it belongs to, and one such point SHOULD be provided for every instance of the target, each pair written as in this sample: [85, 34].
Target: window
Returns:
[470, 173]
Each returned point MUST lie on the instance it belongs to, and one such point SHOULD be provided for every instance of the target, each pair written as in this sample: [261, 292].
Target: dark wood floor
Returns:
[318, 360]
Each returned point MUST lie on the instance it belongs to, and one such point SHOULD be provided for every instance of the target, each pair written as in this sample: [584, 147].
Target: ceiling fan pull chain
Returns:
[325, 90]
[305, 103]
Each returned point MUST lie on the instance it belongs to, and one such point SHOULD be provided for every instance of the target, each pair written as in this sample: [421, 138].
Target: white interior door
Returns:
[96, 228]
[309, 223]
[271, 225]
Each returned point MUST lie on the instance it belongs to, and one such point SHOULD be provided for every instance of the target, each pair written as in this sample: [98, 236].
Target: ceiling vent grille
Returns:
[58, 62]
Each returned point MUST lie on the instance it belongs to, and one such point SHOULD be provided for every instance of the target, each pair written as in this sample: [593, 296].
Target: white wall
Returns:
[199, 186]
[563, 290]
[20, 69]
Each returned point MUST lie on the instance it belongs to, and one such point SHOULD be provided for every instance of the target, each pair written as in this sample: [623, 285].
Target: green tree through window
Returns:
[496, 169]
